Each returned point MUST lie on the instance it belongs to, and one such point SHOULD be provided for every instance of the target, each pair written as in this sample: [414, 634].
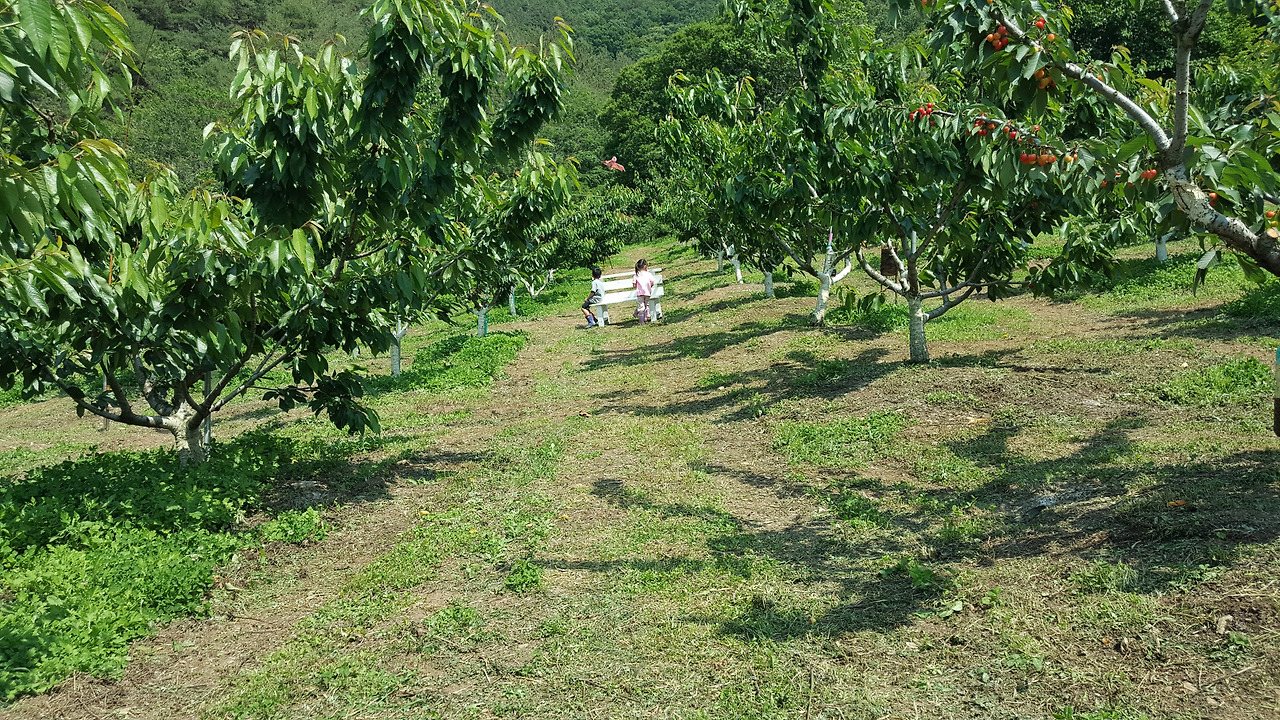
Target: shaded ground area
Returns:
[731, 514]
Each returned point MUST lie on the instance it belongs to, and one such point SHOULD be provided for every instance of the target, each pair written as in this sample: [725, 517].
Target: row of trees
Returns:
[949, 159]
[356, 193]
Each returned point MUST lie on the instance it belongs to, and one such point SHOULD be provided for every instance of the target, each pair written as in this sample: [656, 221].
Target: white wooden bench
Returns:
[618, 289]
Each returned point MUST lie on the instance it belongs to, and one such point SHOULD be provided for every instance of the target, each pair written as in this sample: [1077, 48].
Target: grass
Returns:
[1145, 283]
[456, 362]
[848, 442]
[148, 532]
[1027, 530]
[1241, 381]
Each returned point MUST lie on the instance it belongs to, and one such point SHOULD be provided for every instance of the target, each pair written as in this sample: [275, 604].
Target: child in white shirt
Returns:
[594, 298]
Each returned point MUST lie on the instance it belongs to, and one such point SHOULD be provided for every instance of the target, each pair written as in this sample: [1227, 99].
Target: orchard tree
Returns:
[1208, 134]
[895, 154]
[332, 226]
[734, 163]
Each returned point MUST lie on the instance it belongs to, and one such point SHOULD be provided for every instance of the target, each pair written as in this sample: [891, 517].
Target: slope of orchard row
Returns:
[1071, 513]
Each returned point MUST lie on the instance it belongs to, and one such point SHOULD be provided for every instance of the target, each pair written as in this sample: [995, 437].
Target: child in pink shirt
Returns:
[643, 282]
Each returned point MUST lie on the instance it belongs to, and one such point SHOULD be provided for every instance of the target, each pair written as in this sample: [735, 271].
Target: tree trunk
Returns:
[208, 419]
[737, 266]
[511, 302]
[719, 261]
[768, 283]
[1162, 249]
[918, 344]
[819, 316]
[482, 321]
[398, 337]
[188, 435]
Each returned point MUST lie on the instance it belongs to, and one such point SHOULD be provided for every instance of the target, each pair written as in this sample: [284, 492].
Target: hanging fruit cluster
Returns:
[922, 111]
[999, 39]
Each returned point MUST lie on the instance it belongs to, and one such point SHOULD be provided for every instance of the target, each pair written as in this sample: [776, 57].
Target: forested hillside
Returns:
[185, 71]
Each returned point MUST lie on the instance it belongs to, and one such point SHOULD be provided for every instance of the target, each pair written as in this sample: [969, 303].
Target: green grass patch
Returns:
[457, 362]
[969, 321]
[1146, 283]
[94, 552]
[714, 380]
[840, 443]
[1261, 303]
[1242, 380]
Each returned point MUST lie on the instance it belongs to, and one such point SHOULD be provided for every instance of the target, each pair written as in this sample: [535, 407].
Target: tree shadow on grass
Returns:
[810, 549]
[1167, 521]
[1164, 519]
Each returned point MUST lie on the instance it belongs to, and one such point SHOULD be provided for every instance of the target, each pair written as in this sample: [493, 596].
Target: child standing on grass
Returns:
[643, 282]
[595, 296]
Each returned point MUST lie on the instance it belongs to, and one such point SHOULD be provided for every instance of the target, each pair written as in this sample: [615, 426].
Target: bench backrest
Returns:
[628, 275]
[625, 283]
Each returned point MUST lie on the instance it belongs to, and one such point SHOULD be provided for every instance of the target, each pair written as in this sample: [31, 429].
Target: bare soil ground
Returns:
[733, 514]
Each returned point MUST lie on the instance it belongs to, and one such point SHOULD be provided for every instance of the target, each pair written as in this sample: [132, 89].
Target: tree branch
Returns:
[120, 417]
[1171, 11]
[1117, 98]
[1187, 40]
[944, 307]
[804, 264]
[962, 188]
[150, 391]
[876, 274]
[263, 369]
[122, 400]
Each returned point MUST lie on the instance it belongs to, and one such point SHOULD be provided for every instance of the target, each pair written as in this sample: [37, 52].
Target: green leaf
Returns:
[36, 20]
[33, 297]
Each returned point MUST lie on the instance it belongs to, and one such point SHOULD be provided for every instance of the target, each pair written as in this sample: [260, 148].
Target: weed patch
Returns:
[1242, 380]
[457, 362]
[144, 531]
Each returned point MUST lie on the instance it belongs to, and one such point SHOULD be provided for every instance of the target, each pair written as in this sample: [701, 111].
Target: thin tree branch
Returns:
[263, 369]
[962, 188]
[1124, 102]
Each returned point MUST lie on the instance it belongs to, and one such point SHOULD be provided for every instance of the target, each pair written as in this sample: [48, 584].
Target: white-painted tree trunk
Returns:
[188, 435]
[825, 280]
[398, 337]
[916, 339]
[824, 294]
[1162, 248]
[737, 266]
[511, 302]
[768, 283]
[719, 261]
[482, 321]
